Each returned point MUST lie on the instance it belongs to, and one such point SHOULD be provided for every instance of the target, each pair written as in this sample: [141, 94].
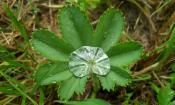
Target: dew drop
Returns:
[87, 59]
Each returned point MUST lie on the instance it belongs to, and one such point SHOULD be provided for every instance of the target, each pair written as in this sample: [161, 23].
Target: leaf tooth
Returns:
[86, 21]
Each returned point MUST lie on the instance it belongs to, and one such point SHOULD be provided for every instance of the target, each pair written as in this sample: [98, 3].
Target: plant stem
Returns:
[96, 86]
[155, 75]
[93, 95]
[151, 67]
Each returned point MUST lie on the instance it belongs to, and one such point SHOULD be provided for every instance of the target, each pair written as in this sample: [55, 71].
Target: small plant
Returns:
[165, 96]
[82, 54]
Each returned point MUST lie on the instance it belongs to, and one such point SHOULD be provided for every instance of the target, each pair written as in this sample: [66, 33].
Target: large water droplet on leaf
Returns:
[86, 60]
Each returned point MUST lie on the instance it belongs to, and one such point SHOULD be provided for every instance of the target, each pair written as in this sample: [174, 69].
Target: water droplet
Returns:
[87, 59]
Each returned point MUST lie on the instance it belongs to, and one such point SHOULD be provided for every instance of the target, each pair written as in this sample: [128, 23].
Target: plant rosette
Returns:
[81, 53]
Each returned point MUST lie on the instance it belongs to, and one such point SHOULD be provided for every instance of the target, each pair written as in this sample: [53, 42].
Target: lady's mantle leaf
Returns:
[109, 29]
[50, 46]
[51, 73]
[165, 96]
[72, 85]
[75, 27]
[87, 102]
[116, 76]
[125, 54]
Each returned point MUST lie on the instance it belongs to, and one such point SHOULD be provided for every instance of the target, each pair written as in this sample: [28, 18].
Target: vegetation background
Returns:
[151, 22]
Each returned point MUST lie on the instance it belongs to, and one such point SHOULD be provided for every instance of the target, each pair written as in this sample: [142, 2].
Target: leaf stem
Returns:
[96, 86]
[94, 94]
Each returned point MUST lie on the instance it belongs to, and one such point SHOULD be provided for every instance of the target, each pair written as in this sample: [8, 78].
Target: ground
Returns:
[147, 21]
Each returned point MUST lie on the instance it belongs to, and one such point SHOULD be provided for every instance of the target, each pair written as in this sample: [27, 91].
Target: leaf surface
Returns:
[51, 73]
[115, 77]
[165, 96]
[71, 86]
[125, 54]
[109, 29]
[50, 46]
[88, 102]
[75, 27]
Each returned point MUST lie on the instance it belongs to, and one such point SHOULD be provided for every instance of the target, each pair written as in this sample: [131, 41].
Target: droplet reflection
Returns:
[87, 59]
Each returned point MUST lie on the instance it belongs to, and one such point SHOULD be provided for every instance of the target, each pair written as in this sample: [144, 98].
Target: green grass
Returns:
[152, 76]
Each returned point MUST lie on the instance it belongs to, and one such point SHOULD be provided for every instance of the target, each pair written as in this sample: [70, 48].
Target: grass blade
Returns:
[16, 23]
[9, 79]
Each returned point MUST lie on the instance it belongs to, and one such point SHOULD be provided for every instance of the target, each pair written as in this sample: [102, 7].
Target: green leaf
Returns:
[42, 96]
[51, 73]
[155, 87]
[71, 86]
[172, 103]
[169, 46]
[8, 90]
[5, 54]
[109, 29]
[50, 46]
[116, 76]
[17, 24]
[165, 95]
[57, 77]
[172, 75]
[75, 27]
[125, 54]
[87, 102]
[14, 64]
